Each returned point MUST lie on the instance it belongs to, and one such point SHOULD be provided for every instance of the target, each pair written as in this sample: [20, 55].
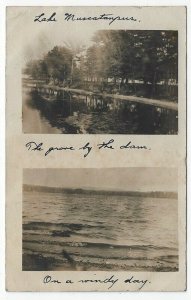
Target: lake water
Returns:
[75, 114]
[99, 232]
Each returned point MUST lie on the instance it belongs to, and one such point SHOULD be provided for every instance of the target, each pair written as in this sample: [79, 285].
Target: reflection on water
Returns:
[120, 231]
[71, 113]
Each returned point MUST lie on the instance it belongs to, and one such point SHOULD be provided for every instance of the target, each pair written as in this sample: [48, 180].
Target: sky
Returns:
[127, 179]
[43, 42]
[35, 39]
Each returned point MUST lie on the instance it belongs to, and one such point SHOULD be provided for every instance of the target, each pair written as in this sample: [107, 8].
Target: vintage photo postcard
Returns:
[96, 148]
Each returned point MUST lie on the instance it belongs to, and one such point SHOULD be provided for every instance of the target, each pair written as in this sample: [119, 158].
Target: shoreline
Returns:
[81, 191]
[38, 262]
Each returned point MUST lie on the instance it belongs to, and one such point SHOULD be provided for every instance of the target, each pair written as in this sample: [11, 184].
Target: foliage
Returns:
[144, 55]
[56, 65]
[120, 56]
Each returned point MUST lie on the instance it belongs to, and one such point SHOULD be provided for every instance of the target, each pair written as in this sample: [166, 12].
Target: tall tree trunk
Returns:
[154, 84]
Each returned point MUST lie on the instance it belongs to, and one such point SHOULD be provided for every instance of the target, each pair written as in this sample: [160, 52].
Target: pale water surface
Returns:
[100, 231]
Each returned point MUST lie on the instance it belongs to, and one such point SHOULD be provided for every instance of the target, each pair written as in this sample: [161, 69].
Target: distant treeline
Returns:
[154, 194]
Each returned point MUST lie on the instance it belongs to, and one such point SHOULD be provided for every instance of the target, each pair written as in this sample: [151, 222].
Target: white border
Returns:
[86, 295]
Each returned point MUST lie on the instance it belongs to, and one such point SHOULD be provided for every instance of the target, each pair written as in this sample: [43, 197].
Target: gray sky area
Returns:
[39, 38]
[128, 179]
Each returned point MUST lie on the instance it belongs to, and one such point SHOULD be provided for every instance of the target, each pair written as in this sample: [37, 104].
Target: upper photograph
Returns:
[102, 82]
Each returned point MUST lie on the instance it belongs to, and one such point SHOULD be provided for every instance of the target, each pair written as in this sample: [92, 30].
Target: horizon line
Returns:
[101, 189]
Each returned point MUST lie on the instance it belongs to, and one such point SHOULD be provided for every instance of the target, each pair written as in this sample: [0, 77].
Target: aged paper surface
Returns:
[96, 149]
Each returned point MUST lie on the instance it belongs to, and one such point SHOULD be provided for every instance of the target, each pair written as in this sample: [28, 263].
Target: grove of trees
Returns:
[118, 57]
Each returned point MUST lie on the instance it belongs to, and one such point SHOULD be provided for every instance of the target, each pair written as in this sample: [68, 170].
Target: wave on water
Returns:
[117, 234]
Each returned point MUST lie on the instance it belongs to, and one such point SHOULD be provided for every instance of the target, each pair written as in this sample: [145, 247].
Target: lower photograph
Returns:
[100, 219]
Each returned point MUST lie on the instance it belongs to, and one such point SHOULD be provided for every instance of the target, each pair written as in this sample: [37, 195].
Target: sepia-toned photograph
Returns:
[101, 82]
[96, 126]
[112, 219]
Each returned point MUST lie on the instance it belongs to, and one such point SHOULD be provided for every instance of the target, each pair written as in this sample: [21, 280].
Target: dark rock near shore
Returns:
[66, 233]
